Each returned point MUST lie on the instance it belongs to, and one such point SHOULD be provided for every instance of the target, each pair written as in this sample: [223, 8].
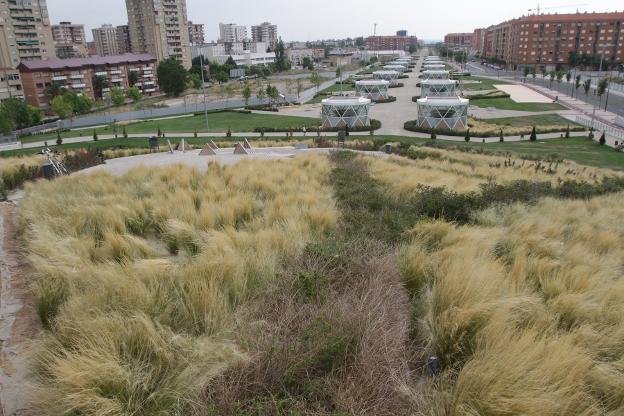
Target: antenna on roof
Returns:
[375, 30]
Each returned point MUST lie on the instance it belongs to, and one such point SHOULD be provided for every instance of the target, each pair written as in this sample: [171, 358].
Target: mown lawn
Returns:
[485, 84]
[218, 122]
[509, 104]
[528, 121]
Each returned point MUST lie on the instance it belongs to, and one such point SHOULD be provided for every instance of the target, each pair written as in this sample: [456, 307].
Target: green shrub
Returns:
[533, 134]
[603, 139]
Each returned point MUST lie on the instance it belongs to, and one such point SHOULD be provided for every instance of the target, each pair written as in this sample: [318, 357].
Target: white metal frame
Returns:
[438, 88]
[436, 74]
[339, 112]
[390, 76]
[398, 68]
[434, 67]
[447, 113]
[375, 90]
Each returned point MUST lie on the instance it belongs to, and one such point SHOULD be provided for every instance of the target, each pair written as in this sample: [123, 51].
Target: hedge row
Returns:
[397, 85]
[374, 125]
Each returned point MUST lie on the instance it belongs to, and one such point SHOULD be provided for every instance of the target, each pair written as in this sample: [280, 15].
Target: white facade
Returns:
[232, 33]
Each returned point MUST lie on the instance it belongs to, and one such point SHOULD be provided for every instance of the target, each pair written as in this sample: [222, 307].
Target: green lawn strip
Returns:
[218, 122]
[509, 104]
[484, 85]
[528, 121]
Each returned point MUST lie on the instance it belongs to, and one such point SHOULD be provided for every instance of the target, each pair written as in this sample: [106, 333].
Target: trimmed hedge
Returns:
[397, 85]
[416, 98]
[403, 76]
[390, 99]
[498, 94]
[262, 108]
[225, 110]
[412, 125]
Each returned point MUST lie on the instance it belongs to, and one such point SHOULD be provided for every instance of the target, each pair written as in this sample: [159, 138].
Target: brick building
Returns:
[390, 43]
[458, 40]
[548, 40]
[69, 40]
[77, 75]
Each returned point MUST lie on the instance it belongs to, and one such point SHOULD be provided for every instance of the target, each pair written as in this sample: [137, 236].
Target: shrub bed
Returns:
[496, 94]
[416, 98]
[390, 99]
[397, 85]
[403, 76]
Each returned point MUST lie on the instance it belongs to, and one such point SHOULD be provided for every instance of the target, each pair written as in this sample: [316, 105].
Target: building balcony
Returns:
[59, 78]
[115, 72]
[101, 74]
[117, 80]
[150, 90]
[79, 86]
[77, 76]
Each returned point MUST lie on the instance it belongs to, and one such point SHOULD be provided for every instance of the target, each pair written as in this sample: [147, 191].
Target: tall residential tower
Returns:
[160, 28]
[25, 32]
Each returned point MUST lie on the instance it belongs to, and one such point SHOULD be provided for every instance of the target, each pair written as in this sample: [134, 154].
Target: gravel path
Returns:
[18, 320]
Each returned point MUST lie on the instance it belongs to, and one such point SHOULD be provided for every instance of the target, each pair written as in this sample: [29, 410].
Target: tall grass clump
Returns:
[520, 308]
[138, 279]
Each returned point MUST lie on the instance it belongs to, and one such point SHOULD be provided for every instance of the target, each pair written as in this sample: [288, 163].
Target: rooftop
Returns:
[372, 82]
[57, 64]
[344, 101]
[443, 101]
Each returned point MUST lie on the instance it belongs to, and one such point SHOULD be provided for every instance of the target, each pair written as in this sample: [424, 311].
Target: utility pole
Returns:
[201, 63]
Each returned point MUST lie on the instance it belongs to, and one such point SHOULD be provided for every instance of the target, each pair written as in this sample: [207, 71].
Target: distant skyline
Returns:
[325, 19]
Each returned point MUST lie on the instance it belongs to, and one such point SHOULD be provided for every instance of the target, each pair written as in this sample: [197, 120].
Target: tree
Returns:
[229, 91]
[95, 136]
[412, 48]
[568, 76]
[577, 84]
[567, 132]
[559, 77]
[359, 42]
[533, 134]
[117, 96]
[603, 139]
[339, 73]
[552, 76]
[591, 133]
[602, 87]
[81, 103]
[273, 93]
[587, 86]
[171, 77]
[124, 133]
[194, 81]
[526, 71]
[247, 94]
[501, 137]
[59, 139]
[54, 90]
[261, 93]
[18, 114]
[316, 80]
[134, 93]
[300, 88]
[133, 78]
[99, 83]
[281, 63]
[467, 136]
[307, 63]
[433, 135]
[62, 107]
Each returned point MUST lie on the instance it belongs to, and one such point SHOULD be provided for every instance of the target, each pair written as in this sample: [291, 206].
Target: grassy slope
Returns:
[486, 84]
[218, 122]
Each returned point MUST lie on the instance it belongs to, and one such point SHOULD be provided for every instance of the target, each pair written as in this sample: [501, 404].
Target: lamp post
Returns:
[201, 63]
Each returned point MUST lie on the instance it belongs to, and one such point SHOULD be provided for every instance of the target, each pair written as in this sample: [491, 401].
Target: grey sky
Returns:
[322, 19]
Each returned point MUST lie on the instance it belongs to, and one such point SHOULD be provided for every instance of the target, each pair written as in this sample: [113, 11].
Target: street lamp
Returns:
[201, 67]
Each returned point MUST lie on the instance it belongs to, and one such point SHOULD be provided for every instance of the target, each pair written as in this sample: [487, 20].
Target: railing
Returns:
[599, 126]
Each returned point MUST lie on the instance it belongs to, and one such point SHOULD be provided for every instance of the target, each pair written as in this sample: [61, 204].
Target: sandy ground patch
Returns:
[522, 94]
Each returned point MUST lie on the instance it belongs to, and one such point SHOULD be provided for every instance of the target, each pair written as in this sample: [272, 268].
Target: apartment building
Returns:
[160, 28]
[10, 84]
[393, 43]
[123, 39]
[232, 33]
[478, 40]
[25, 32]
[105, 39]
[296, 56]
[265, 33]
[548, 40]
[69, 40]
[458, 40]
[77, 75]
[196, 33]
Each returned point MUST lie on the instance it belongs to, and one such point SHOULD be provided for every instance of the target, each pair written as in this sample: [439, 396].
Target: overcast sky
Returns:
[324, 19]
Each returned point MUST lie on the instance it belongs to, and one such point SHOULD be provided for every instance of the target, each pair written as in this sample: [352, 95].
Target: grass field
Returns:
[509, 104]
[218, 122]
[485, 84]
[529, 121]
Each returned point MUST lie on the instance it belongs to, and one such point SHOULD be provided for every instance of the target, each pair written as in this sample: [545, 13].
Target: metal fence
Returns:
[600, 126]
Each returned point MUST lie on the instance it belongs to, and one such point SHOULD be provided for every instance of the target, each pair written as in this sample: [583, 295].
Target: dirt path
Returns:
[18, 320]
